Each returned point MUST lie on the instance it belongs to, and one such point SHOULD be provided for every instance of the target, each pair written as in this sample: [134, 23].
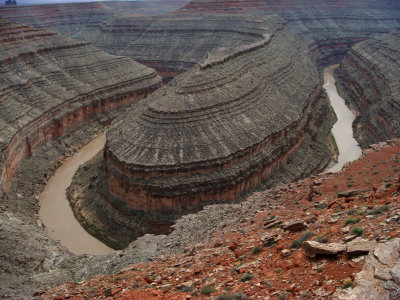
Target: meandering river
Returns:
[57, 215]
[342, 130]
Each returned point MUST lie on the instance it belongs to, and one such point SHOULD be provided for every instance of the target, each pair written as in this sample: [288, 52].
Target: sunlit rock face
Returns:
[218, 130]
[50, 84]
[369, 76]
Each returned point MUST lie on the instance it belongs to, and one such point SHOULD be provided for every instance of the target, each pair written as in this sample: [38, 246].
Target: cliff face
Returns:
[69, 19]
[50, 84]
[177, 42]
[173, 43]
[335, 26]
[369, 76]
[218, 130]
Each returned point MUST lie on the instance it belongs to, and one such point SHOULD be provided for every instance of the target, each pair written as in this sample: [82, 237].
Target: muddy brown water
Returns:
[55, 212]
[342, 130]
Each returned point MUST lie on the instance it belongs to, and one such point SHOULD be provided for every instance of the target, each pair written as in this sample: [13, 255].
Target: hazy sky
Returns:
[24, 2]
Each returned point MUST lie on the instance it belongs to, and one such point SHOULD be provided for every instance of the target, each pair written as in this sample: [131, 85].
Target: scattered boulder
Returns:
[295, 225]
[312, 249]
[360, 246]
[270, 238]
[347, 194]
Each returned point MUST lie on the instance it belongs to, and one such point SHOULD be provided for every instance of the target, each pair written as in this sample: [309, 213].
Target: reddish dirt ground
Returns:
[237, 263]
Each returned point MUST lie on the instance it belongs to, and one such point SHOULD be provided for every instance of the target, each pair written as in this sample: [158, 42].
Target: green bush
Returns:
[208, 289]
[357, 231]
[379, 210]
[352, 221]
[246, 277]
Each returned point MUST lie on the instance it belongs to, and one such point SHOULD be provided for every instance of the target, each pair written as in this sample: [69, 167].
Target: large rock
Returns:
[360, 246]
[312, 249]
[379, 277]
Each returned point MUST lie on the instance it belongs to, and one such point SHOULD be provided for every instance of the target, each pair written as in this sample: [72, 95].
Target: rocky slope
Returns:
[50, 84]
[230, 122]
[306, 239]
[369, 77]
[69, 19]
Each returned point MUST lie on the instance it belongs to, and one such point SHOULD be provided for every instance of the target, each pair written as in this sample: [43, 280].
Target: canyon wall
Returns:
[174, 43]
[335, 26]
[50, 84]
[68, 19]
[370, 78]
[218, 130]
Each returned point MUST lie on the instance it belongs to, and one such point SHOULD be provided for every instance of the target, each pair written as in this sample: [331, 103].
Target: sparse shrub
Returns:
[236, 296]
[234, 270]
[357, 231]
[305, 236]
[320, 269]
[295, 244]
[321, 205]
[278, 270]
[321, 239]
[379, 210]
[186, 289]
[256, 250]
[208, 289]
[351, 211]
[281, 297]
[352, 221]
[246, 277]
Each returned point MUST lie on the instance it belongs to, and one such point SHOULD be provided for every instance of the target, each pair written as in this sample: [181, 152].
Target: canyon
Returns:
[227, 102]
[369, 76]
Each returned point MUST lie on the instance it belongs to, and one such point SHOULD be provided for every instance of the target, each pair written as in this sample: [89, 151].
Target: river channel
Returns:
[342, 130]
[57, 215]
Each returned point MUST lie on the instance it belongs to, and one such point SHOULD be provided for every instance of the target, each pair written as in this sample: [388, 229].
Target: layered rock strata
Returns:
[50, 84]
[70, 18]
[369, 76]
[216, 132]
[334, 25]
[173, 43]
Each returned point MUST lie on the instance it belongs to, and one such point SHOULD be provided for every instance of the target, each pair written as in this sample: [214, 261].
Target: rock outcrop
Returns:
[369, 76]
[50, 84]
[215, 133]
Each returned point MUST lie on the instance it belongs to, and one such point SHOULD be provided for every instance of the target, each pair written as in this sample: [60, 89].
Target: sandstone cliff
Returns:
[369, 76]
[218, 130]
[50, 84]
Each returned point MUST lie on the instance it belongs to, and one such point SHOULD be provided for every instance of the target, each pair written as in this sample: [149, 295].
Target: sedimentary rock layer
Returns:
[370, 77]
[216, 132]
[69, 19]
[173, 43]
[50, 84]
[334, 25]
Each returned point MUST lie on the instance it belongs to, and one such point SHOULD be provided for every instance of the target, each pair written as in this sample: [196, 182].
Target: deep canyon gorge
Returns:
[206, 105]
